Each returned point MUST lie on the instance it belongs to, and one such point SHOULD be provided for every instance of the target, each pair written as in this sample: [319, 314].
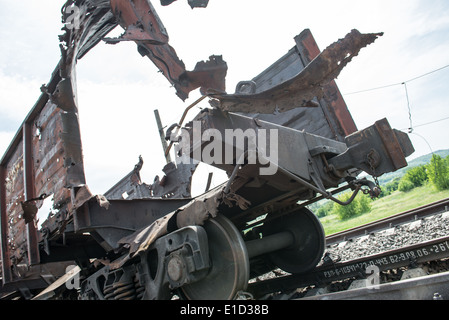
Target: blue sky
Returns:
[118, 89]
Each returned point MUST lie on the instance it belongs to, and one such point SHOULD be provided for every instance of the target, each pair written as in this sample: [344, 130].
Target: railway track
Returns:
[416, 268]
[390, 222]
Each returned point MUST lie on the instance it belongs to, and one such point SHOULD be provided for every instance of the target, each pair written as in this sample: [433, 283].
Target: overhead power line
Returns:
[428, 123]
[404, 83]
[397, 84]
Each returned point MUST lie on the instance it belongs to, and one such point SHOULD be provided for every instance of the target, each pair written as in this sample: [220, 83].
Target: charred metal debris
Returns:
[148, 241]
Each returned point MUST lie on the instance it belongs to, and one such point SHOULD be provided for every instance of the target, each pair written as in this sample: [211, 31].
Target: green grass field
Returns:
[395, 203]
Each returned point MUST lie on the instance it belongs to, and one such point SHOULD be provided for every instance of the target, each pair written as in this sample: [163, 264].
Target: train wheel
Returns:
[309, 241]
[229, 271]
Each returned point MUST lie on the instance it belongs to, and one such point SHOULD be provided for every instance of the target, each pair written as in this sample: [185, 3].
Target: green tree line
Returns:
[360, 205]
[436, 173]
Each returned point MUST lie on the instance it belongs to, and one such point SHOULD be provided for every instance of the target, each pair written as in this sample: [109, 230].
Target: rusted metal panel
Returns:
[142, 25]
[19, 239]
[301, 90]
[331, 117]
[391, 143]
[44, 159]
[57, 152]
[14, 196]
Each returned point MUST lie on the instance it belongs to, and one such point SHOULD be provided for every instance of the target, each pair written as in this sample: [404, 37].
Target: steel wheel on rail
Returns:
[229, 271]
[309, 244]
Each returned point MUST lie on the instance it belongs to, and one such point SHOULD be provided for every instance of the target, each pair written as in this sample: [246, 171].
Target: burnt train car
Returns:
[285, 138]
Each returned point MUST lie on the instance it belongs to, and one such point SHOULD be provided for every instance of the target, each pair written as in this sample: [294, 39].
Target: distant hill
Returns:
[413, 163]
[426, 159]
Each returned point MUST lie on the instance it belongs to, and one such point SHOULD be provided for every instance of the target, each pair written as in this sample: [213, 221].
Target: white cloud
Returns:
[18, 95]
[29, 35]
[5, 140]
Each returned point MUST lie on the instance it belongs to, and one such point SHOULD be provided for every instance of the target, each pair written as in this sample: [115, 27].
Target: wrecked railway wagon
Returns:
[285, 138]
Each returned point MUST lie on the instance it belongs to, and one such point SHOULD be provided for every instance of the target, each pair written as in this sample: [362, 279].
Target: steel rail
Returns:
[389, 222]
[431, 287]
[432, 250]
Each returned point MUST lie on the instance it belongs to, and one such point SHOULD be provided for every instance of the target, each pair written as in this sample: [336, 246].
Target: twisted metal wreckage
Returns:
[160, 240]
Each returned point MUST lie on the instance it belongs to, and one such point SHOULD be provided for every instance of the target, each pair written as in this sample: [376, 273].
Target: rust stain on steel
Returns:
[142, 25]
[332, 95]
[392, 144]
[53, 164]
[303, 88]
